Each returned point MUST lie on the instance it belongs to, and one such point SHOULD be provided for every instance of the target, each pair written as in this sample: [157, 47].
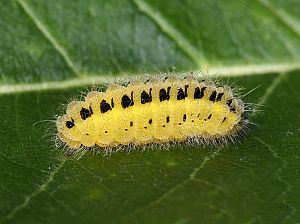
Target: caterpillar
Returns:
[155, 111]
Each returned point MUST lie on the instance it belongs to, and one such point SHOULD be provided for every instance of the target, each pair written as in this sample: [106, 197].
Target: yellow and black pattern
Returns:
[157, 111]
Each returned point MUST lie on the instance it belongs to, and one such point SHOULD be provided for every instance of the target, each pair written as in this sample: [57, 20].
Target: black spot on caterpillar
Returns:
[104, 106]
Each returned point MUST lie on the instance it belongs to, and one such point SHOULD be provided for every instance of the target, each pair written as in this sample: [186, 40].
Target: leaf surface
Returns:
[49, 48]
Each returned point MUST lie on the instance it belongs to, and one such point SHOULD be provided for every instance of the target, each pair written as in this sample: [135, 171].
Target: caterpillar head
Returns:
[74, 128]
[67, 131]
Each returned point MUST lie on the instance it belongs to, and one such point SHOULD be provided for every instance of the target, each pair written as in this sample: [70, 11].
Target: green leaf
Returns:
[50, 49]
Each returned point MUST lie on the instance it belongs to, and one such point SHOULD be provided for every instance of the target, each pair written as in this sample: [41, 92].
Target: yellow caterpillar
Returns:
[157, 111]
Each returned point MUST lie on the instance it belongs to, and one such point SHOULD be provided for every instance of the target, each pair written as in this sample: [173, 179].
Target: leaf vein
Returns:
[44, 30]
[192, 176]
[41, 188]
[196, 55]
[87, 80]
[279, 170]
[282, 16]
[269, 91]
